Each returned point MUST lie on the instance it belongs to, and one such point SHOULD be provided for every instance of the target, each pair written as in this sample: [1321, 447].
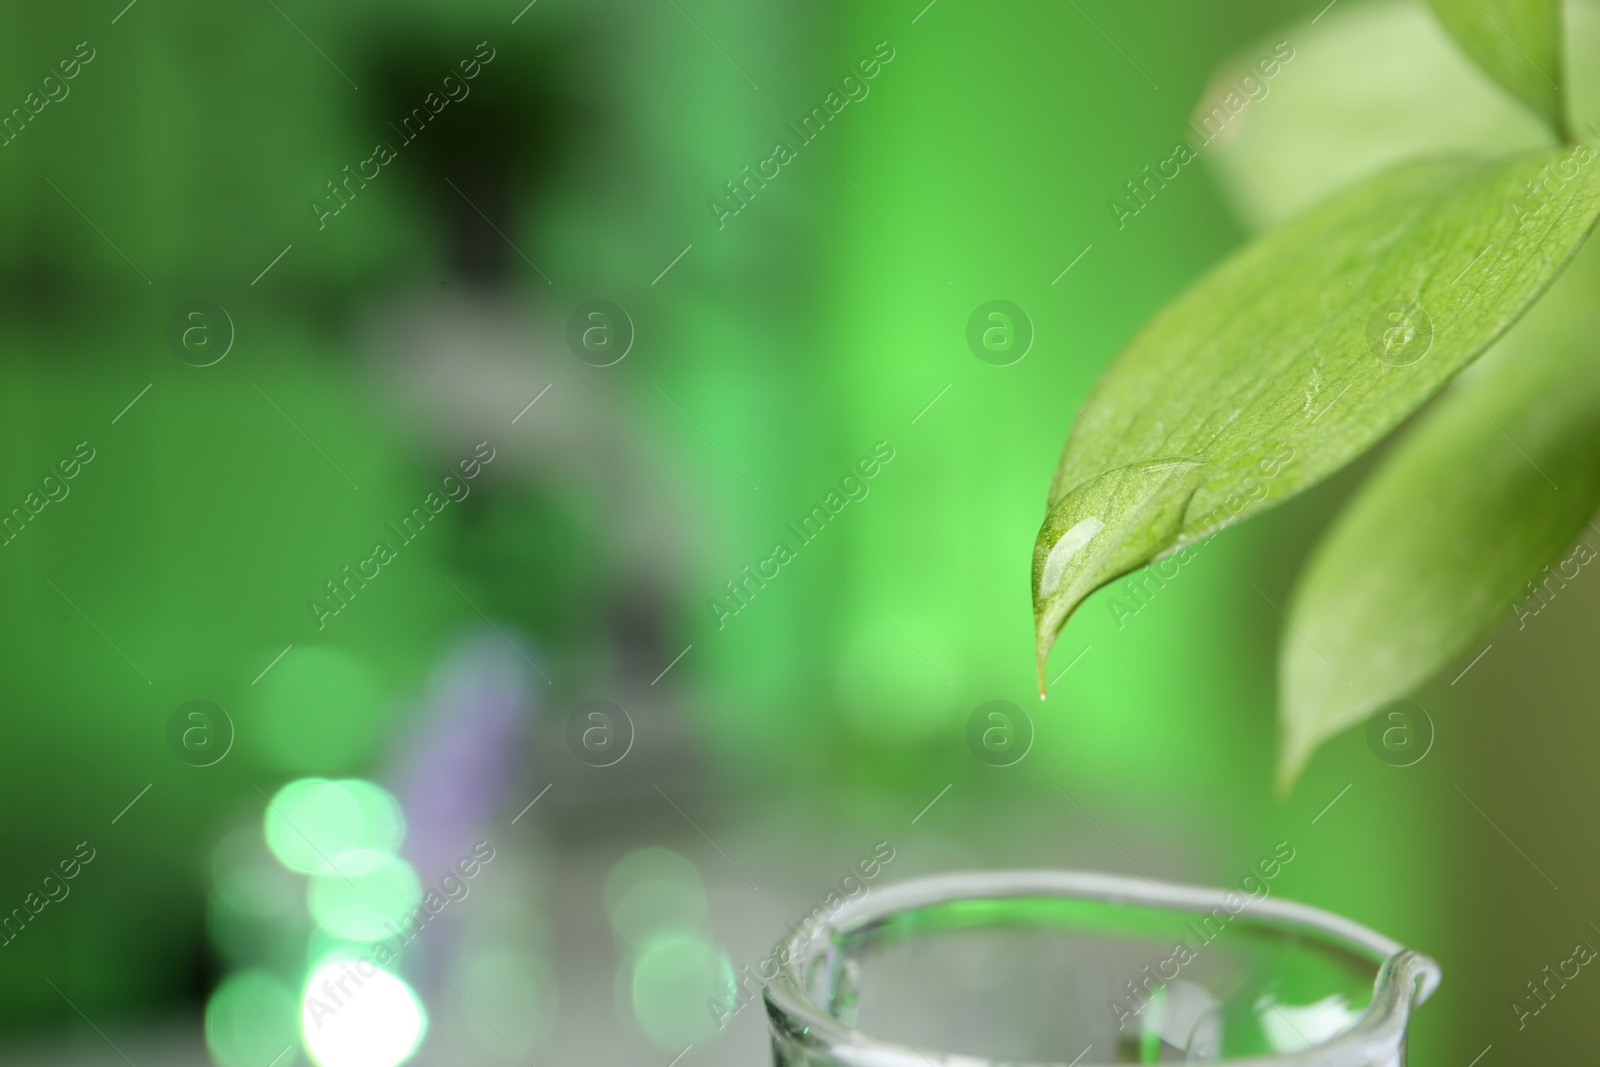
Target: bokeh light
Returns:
[652, 890]
[378, 1023]
[244, 876]
[676, 975]
[357, 906]
[317, 826]
[250, 1020]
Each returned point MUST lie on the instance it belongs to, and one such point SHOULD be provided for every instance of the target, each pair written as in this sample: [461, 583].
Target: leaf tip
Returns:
[1044, 639]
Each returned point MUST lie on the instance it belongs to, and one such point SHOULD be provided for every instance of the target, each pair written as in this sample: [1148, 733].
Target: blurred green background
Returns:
[372, 353]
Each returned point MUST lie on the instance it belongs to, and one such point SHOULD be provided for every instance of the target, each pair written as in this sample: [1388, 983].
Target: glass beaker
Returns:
[1060, 968]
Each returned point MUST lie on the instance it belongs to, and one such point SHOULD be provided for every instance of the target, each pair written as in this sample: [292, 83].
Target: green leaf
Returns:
[1439, 545]
[1141, 504]
[1296, 355]
[1371, 86]
[1518, 43]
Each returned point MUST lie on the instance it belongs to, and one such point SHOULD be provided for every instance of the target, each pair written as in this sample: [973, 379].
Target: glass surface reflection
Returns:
[1044, 967]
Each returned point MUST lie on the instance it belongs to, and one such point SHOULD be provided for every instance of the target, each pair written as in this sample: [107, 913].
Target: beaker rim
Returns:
[1404, 979]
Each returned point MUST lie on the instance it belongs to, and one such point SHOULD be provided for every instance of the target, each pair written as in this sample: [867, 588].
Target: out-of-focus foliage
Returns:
[1519, 43]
